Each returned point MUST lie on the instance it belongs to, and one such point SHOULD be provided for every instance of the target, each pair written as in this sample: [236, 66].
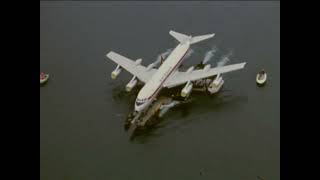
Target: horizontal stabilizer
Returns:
[182, 38]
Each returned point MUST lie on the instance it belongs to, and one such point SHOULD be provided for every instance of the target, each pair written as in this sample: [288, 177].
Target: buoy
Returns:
[261, 77]
[43, 78]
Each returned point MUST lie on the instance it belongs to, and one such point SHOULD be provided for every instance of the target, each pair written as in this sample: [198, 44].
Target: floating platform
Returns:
[153, 110]
[43, 78]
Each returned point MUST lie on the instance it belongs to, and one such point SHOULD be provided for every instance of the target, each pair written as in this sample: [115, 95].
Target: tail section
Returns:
[182, 38]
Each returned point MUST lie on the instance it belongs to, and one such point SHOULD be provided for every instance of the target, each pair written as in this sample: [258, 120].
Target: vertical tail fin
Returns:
[182, 38]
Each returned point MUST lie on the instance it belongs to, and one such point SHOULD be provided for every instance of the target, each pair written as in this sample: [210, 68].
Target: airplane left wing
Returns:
[180, 78]
[133, 67]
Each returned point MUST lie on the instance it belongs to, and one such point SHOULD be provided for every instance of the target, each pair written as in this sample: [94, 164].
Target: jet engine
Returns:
[216, 84]
[187, 89]
[190, 69]
[131, 84]
[207, 67]
[116, 72]
[150, 66]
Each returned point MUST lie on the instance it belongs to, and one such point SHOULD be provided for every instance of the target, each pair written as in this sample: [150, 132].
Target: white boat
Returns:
[261, 78]
[44, 78]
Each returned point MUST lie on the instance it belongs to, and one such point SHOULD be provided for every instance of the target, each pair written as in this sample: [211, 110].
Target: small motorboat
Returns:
[43, 78]
[261, 77]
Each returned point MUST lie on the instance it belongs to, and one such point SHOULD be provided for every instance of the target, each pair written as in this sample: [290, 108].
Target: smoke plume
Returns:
[209, 54]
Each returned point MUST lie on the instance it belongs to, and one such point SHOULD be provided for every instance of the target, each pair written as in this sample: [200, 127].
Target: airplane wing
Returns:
[182, 77]
[136, 69]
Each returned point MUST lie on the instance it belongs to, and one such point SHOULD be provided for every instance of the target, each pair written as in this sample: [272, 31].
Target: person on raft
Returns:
[42, 75]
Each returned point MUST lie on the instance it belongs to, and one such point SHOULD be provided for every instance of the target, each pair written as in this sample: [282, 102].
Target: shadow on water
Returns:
[261, 85]
[143, 135]
[43, 85]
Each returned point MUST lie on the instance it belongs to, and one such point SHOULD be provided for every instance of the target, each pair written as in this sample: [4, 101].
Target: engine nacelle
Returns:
[190, 69]
[151, 66]
[216, 84]
[187, 89]
[116, 72]
[207, 67]
[138, 62]
[131, 84]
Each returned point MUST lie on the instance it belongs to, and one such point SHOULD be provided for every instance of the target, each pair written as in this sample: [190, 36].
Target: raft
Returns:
[44, 78]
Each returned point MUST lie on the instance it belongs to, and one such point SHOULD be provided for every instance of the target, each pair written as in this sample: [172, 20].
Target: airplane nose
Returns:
[141, 107]
[137, 108]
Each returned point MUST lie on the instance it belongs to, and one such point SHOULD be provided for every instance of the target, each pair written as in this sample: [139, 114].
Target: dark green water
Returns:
[233, 135]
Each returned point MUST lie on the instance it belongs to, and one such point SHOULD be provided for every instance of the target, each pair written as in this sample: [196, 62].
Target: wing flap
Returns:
[131, 66]
[180, 78]
[183, 38]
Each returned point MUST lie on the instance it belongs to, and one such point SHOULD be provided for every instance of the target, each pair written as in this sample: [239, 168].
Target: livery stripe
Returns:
[174, 68]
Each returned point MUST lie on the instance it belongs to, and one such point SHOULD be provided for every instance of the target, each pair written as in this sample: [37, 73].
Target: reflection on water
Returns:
[143, 135]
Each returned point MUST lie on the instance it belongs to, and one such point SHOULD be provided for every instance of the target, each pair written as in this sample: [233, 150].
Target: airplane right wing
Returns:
[179, 78]
[183, 38]
[133, 67]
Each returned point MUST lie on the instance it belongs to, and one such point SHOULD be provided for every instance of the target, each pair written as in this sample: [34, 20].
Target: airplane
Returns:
[167, 75]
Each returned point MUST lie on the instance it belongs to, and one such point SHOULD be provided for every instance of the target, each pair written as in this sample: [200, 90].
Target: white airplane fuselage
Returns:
[151, 89]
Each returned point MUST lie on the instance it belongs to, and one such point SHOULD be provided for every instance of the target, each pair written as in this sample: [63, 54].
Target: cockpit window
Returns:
[138, 103]
[141, 100]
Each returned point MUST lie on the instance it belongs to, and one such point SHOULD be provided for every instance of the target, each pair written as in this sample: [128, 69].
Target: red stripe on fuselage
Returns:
[174, 68]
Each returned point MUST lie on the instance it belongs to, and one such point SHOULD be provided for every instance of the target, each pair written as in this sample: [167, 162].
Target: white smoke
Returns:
[209, 54]
[163, 55]
[191, 51]
[224, 59]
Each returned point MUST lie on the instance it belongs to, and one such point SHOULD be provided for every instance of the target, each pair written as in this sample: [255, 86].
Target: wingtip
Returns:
[171, 31]
[109, 53]
[244, 64]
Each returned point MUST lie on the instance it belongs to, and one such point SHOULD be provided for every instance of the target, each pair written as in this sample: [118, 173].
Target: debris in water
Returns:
[165, 108]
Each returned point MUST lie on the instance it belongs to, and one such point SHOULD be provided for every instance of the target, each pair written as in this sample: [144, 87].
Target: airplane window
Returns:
[139, 103]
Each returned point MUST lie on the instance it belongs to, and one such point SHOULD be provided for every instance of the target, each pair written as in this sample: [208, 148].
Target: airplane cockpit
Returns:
[140, 101]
